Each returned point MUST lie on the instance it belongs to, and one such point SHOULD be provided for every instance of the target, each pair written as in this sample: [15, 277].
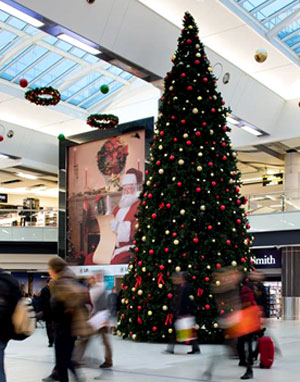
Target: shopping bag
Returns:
[242, 322]
[185, 329]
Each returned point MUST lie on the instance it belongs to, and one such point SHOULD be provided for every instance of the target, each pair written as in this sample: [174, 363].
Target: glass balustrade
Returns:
[46, 217]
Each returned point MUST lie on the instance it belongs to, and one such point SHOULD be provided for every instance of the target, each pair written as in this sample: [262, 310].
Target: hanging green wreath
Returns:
[103, 121]
[43, 96]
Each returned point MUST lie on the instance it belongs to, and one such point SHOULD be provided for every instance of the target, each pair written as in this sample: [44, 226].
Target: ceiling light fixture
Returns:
[26, 176]
[251, 130]
[20, 15]
[232, 120]
[79, 44]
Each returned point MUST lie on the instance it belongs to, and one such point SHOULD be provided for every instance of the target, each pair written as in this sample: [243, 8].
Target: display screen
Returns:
[104, 181]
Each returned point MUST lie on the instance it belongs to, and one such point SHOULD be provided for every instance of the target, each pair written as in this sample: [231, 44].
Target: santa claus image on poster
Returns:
[114, 246]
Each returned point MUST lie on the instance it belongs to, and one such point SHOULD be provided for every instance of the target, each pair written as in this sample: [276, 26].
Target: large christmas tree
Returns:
[191, 216]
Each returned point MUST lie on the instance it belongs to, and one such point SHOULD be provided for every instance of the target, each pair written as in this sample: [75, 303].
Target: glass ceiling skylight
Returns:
[278, 18]
[44, 60]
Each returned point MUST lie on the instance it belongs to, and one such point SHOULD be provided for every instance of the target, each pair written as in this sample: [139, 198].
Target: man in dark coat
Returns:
[9, 295]
[45, 312]
[181, 306]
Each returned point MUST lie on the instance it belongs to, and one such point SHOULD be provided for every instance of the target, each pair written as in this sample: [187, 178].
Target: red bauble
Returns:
[166, 250]
[194, 277]
[149, 294]
[149, 196]
[238, 221]
[161, 267]
[205, 79]
[204, 124]
[224, 157]
[243, 260]
[189, 41]
[222, 207]
[136, 249]
[222, 303]
[173, 117]
[213, 110]
[154, 216]
[223, 102]
[151, 251]
[146, 172]
[140, 263]
[228, 242]
[23, 83]
[174, 234]
[188, 143]
[175, 139]
[158, 162]
[189, 88]
[198, 133]
[154, 329]
[162, 133]
[143, 203]
[213, 183]
[172, 157]
[209, 227]
[170, 295]
[238, 202]
[198, 189]
[223, 144]
[183, 74]
[179, 184]
[227, 190]
[197, 62]
[195, 240]
[224, 128]
[218, 265]
[217, 197]
[183, 121]
[207, 307]
[221, 311]
[1, 138]
[168, 205]
[207, 279]
[248, 226]
[210, 164]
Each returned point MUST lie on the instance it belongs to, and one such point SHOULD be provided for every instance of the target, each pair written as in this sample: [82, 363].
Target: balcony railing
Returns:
[47, 217]
[273, 202]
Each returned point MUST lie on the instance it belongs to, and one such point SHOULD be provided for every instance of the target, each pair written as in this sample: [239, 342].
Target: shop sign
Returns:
[266, 258]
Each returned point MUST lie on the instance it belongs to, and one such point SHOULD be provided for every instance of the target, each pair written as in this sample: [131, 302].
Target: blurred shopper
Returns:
[112, 302]
[45, 312]
[226, 290]
[245, 343]
[182, 306]
[67, 301]
[99, 320]
[9, 295]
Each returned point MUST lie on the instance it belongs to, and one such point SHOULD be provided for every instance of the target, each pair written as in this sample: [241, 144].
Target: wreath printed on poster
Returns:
[111, 160]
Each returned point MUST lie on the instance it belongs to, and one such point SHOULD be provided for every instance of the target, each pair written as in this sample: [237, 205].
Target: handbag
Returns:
[23, 319]
[185, 329]
[242, 322]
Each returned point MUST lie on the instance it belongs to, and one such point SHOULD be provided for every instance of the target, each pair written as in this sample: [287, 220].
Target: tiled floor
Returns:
[31, 360]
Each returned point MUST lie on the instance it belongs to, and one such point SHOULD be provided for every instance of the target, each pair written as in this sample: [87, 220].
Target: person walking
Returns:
[9, 296]
[99, 319]
[112, 302]
[45, 312]
[67, 299]
[182, 306]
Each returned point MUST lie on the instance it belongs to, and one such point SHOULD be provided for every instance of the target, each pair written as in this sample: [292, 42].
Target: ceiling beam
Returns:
[269, 151]
[280, 11]
[283, 24]
[261, 6]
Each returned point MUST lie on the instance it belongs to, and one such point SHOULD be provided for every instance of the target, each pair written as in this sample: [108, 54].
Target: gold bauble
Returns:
[160, 286]
[133, 289]
[140, 292]
[190, 27]
[164, 307]
[185, 135]
[199, 98]
[144, 238]
[170, 330]
[181, 162]
[216, 325]
[161, 171]
[210, 69]
[144, 269]
[149, 313]
[260, 55]
[182, 212]
[178, 269]
[195, 110]
[133, 337]
[218, 283]
[160, 147]
[167, 232]
[119, 333]
[171, 88]
[199, 168]
[191, 297]
[202, 208]
[200, 154]
[176, 242]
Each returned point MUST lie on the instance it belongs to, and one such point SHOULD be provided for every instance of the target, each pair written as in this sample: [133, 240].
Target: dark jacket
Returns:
[44, 304]
[182, 304]
[9, 296]
[112, 302]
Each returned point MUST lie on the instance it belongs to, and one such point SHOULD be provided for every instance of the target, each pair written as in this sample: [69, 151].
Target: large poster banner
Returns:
[105, 178]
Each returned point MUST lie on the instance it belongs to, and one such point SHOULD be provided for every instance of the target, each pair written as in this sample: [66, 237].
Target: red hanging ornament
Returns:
[168, 205]
[200, 292]
[179, 184]
[154, 216]
[207, 279]
[198, 133]
[197, 62]
[209, 227]
[170, 296]
[183, 121]
[151, 251]
[204, 124]
[1, 138]
[182, 74]
[213, 183]
[189, 41]
[218, 265]
[210, 164]
[198, 189]
[161, 267]
[23, 83]
[222, 207]
[207, 307]
[228, 242]
[139, 320]
[136, 249]
[172, 157]
[205, 79]
[154, 329]
[213, 110]
[195, 240]
[189, 88]
[188, 143]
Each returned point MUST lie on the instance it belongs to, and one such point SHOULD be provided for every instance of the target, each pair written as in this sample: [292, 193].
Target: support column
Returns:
[292, 180]
[290, 283]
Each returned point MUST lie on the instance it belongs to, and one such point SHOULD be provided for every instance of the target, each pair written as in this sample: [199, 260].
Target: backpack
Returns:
[23, 319]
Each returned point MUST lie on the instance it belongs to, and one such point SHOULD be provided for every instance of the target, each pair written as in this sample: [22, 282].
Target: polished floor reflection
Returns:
[31, 360]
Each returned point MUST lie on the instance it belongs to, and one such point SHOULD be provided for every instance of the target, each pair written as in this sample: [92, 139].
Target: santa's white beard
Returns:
[127, 200]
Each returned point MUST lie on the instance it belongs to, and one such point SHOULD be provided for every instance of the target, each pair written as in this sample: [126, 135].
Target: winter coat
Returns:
[44, 304]
[9, 296]
[68, 306]
[182, 304]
